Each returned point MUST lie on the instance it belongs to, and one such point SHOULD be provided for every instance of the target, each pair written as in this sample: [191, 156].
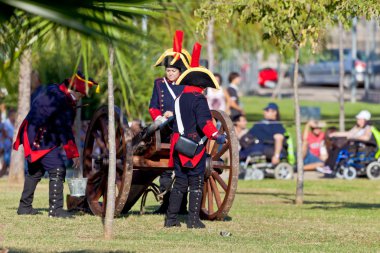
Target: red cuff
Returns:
[209, 129]
[154, 113]
[71, 149]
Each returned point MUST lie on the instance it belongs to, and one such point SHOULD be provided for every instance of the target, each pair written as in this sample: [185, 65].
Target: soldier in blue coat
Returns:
[176, 60]
[44, 132]
[193, 121]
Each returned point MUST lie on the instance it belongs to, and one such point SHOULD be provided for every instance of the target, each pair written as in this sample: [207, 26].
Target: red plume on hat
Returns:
[177, 46]
[196, 55]
[197, 75]
[177, 41]
[176, 56]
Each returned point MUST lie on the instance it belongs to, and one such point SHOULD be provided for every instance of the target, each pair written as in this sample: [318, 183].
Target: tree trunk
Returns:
[110, 207]
[78, 172]
[299, 191]
[17, 170]
[341, 79]
[210, 45]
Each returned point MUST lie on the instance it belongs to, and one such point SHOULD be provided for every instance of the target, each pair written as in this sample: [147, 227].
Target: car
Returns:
[374, 71]
[325, 70]
[268, 78]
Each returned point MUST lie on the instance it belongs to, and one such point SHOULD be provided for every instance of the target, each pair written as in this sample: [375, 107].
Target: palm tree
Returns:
[96, 20]
[16, 173]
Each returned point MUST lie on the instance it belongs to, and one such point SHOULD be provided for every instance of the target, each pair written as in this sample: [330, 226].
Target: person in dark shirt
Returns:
[269, 134]
[233, 92]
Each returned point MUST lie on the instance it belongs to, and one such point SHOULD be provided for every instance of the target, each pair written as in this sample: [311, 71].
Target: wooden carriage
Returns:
[143, 157]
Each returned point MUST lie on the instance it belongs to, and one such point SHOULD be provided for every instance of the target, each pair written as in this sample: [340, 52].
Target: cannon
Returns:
[142, 157]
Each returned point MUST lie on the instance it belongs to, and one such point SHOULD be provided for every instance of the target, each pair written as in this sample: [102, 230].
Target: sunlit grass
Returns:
[338, 216]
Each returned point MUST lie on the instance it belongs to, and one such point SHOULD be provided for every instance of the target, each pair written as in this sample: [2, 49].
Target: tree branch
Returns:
[294, 35]
[308, 15]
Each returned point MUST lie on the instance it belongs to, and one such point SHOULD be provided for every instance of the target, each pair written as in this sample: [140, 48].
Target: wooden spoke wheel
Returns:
[222, 169]
[96, 157]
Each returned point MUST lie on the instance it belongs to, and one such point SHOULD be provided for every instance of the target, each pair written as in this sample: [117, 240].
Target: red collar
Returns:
[64, 89]
[190, 89]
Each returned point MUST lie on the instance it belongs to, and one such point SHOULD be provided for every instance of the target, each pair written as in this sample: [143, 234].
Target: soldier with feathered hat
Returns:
[193, 122]
[44, 132]
[176, 60]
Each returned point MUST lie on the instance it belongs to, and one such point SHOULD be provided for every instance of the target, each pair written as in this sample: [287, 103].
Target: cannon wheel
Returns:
[95, 162]
[222, 170]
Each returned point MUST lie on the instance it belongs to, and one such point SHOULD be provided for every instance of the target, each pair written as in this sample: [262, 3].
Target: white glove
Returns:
[159, 120]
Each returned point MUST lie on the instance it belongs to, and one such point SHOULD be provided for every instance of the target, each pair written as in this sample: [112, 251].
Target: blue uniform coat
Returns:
[48, 124]
[197, 123]
[162, 100]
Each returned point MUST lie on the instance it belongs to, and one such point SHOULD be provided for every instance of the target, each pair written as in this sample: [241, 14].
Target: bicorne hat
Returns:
[78, 83]
[175, 57]
[198, 75]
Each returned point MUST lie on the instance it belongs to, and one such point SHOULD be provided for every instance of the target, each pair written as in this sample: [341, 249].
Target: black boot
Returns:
[173, 209]
[183, 209]
[176, 195]
[56, 194]
[195, 199]
[25, 206]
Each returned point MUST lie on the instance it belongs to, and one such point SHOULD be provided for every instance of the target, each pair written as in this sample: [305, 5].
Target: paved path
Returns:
[314, 93]
[310, 175]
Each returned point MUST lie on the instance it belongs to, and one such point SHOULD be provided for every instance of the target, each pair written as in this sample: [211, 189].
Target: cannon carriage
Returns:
[142, 157]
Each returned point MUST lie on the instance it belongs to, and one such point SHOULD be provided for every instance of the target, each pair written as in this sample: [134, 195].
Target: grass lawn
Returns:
[338, 216]
[254, 105]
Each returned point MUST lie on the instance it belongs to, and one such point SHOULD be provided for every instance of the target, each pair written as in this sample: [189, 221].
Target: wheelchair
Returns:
[257, 164]
[358, 158]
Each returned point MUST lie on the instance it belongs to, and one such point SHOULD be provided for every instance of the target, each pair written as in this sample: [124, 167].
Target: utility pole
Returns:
[373, 51]
[353, 54]
[368, 58]
[341, 79]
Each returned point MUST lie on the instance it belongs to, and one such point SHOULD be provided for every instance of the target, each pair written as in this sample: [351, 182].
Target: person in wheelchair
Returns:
[265, 137]
[358, 137]
[313, 145]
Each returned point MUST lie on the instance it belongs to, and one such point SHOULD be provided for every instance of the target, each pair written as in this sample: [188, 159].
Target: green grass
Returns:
[254, 105]
[338, 216]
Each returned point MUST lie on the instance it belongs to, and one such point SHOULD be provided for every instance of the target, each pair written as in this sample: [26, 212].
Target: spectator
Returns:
[233, 92]
[218, 99]
[3, 168]
[240, 125]
[9, 127]
[361, 131]
[269, 135]
[314, 149]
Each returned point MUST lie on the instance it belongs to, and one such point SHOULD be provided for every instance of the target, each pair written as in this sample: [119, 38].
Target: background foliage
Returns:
[58, 51]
